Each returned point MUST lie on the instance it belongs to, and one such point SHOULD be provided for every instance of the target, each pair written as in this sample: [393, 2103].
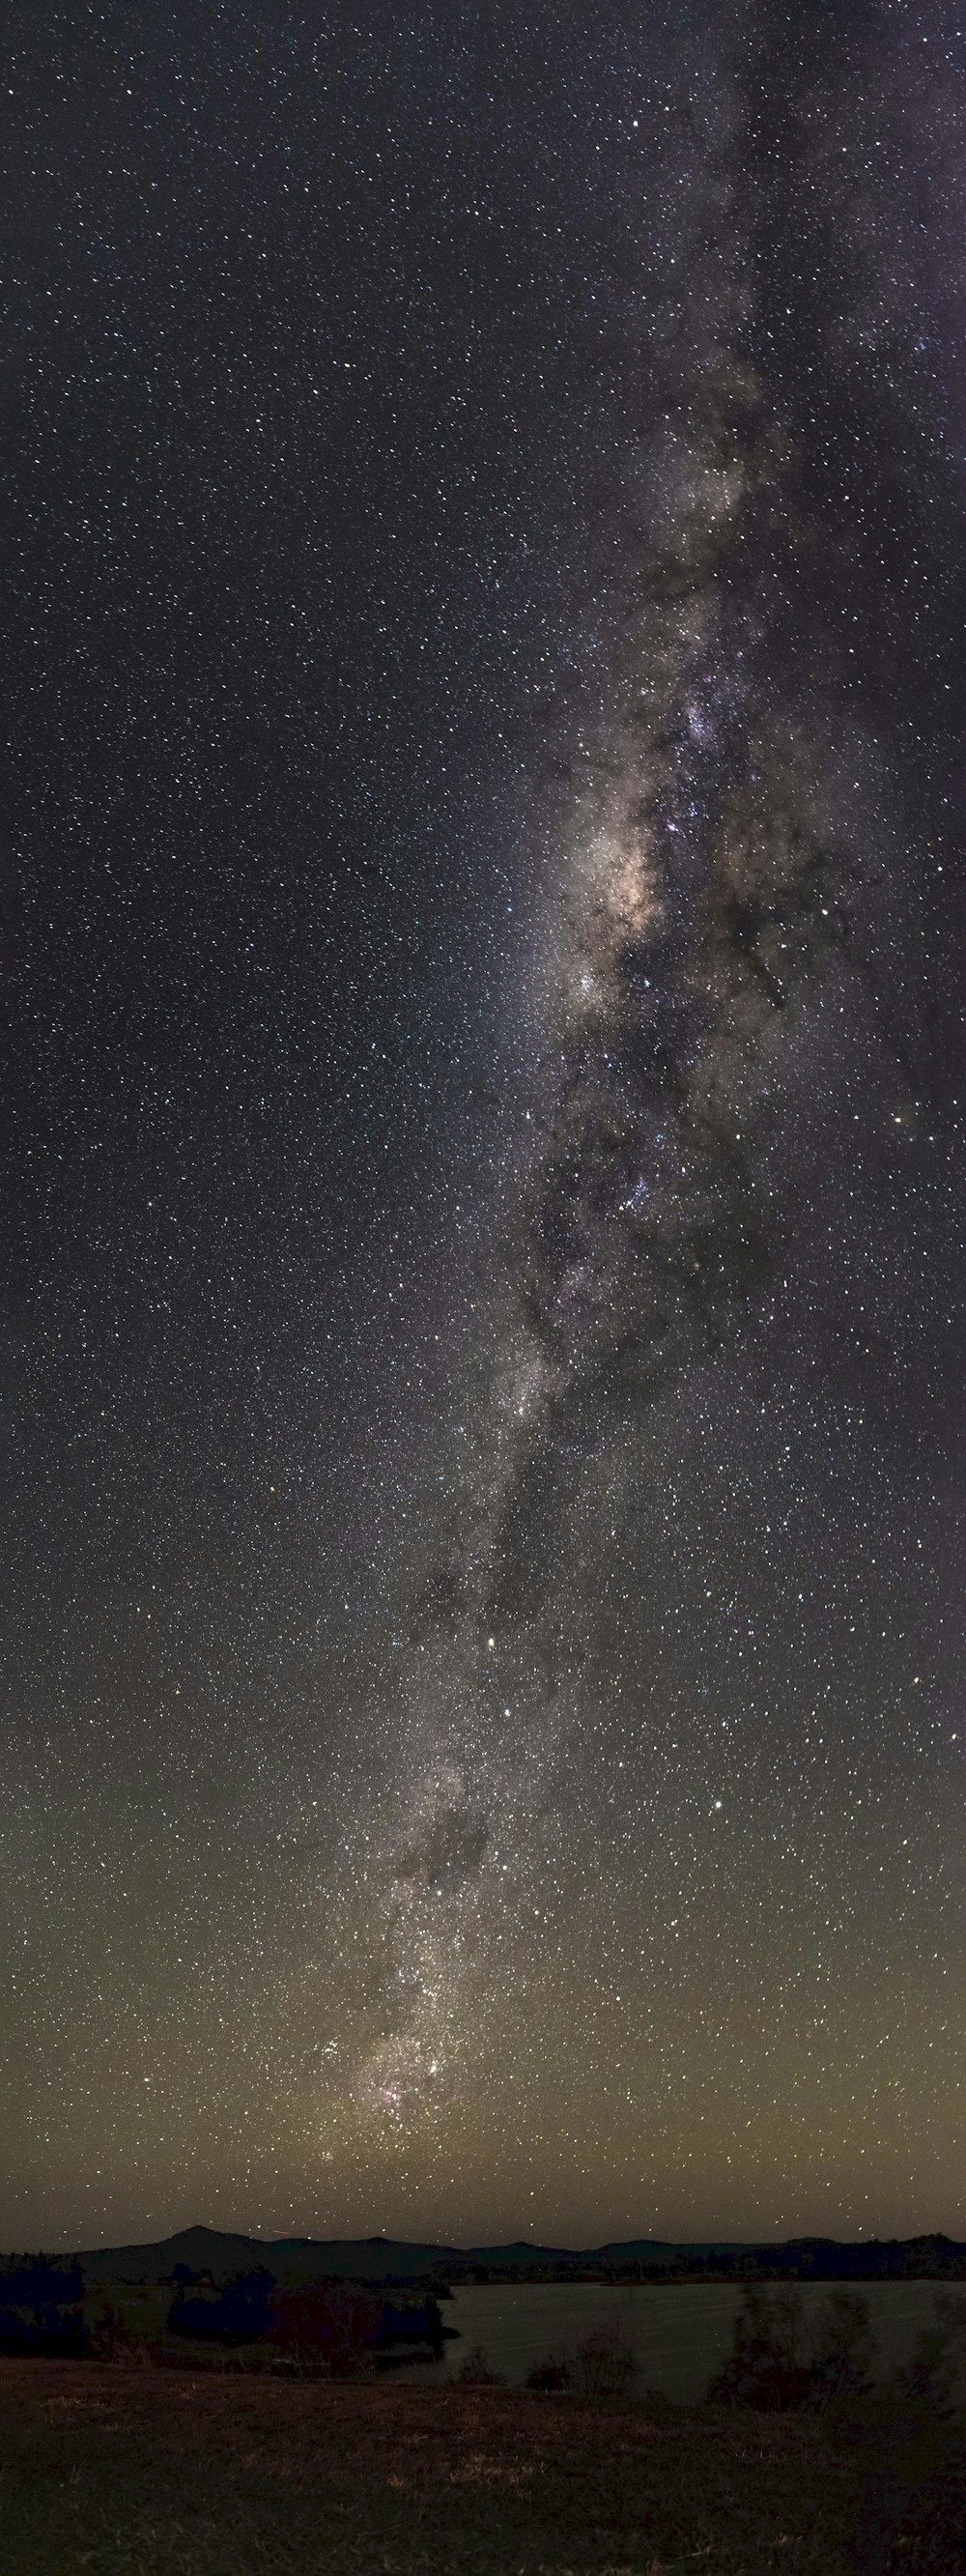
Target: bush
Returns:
[843, 2349]
[604, 2362]
[109, 2338]
[932, 2378]
[475, 2372]
[328, 2326]
[548, 2374]
[777, 2362]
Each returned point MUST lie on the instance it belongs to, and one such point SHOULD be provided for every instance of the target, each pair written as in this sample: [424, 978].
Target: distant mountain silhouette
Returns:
[386, 2258]
[369, 2258]
[206, 2249]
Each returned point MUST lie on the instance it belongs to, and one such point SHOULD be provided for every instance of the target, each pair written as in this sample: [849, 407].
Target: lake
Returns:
[681, 2333]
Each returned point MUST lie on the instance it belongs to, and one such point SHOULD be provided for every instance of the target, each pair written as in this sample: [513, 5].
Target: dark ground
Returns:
[156, 2473]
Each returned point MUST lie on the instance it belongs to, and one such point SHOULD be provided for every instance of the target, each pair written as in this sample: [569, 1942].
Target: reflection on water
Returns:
[681, 2334]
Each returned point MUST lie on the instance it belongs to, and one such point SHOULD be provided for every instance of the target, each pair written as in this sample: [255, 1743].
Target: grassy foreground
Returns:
[155, 2473]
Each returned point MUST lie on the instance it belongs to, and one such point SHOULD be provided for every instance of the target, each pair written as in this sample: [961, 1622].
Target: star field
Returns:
[485, 1166]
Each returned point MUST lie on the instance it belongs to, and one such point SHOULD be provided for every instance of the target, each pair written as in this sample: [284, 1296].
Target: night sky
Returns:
[484, 1173]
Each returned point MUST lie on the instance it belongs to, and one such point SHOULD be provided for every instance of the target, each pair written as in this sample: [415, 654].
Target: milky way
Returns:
[482, 897]
[712, 879]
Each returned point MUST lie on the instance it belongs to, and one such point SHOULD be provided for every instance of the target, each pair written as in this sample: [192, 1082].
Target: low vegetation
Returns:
[602, 2363]
[129, 2472]
[782, 2358]
[157, 2456]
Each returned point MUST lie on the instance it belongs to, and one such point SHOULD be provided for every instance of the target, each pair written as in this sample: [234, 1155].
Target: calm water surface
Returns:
[680, 2334]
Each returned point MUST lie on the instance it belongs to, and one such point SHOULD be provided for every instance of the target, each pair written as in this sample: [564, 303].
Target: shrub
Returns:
[329, 2326]
[108, 2337]
[777, 2362]
[475, 2372]
[843, 2349]
[548, 2374]
[932, 2377]
[604, 2361]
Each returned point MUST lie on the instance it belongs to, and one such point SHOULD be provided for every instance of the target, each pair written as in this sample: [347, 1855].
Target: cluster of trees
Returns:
[806, 2258]
[821, 2258]
[602, 2364]
[332, 2320]
[40, 2308]
[785, 2356]
[334, 2326]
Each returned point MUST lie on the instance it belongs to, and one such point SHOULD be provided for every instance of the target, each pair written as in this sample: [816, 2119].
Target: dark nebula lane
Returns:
[487, 941]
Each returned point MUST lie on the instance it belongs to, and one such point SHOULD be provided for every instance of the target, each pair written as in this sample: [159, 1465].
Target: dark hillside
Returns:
[384, 2259]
